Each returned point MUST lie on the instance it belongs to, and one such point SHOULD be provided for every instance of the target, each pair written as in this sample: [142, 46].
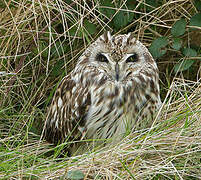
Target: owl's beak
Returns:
[117, 71]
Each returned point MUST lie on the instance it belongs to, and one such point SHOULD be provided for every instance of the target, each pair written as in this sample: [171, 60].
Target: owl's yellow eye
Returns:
[133, 58]
[101, 58]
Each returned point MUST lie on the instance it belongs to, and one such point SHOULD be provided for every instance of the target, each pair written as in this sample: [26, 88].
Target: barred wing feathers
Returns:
[66, 116]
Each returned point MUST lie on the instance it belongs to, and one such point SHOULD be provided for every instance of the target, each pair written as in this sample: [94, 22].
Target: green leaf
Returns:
[157, 45]
[176, 44]
[152, 4]
[2, 5]
[122, 18]
[187, 63]
[183, 65]
[58, 66]
[195, 20]
[121, 11]
[179, 28]
[189, 52]
[74, 175]
[106, 10]
[197, 4]
[75, 31]
[91, 28]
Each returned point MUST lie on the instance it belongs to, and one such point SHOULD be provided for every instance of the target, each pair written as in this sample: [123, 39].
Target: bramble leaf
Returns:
[187, 63]
[195, 20]
[197, 4]
[183, 65]
[189, 52]
[177, 43]
[122, 19]
[179, 28]
[91, 28]
[157, 45]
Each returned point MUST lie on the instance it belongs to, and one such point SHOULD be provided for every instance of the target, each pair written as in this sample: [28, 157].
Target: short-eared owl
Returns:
[114, 85]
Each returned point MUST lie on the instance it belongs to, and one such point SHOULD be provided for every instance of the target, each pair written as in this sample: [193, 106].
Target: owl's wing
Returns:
[66, 115]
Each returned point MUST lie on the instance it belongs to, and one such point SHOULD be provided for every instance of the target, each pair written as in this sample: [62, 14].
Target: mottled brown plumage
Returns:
[113, 86]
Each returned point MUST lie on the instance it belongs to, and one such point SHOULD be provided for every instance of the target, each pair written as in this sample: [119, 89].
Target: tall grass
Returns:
[40, 42]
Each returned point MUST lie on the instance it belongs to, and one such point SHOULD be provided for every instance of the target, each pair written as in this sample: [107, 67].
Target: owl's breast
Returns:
[109, 104]
[114, 108]
[115, 95]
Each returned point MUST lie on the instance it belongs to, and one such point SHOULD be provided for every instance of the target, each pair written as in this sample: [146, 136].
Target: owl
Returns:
[114, 87]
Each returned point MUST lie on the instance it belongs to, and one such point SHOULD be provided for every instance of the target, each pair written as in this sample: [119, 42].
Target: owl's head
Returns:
[119, 57]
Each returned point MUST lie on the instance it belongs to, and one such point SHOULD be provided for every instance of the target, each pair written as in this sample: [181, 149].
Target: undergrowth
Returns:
[40, 42]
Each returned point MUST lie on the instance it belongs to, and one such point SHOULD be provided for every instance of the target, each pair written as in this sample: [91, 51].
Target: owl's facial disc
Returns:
[117, 69]
[105, 60]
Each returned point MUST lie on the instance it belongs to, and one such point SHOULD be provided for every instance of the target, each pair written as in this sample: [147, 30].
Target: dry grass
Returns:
[38, 48]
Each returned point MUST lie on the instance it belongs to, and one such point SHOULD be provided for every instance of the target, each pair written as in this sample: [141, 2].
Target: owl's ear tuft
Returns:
[106, 37]
[131, 38]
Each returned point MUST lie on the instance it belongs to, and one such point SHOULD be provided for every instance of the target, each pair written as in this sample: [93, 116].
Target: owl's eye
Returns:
[101, 58]
[133, 58]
